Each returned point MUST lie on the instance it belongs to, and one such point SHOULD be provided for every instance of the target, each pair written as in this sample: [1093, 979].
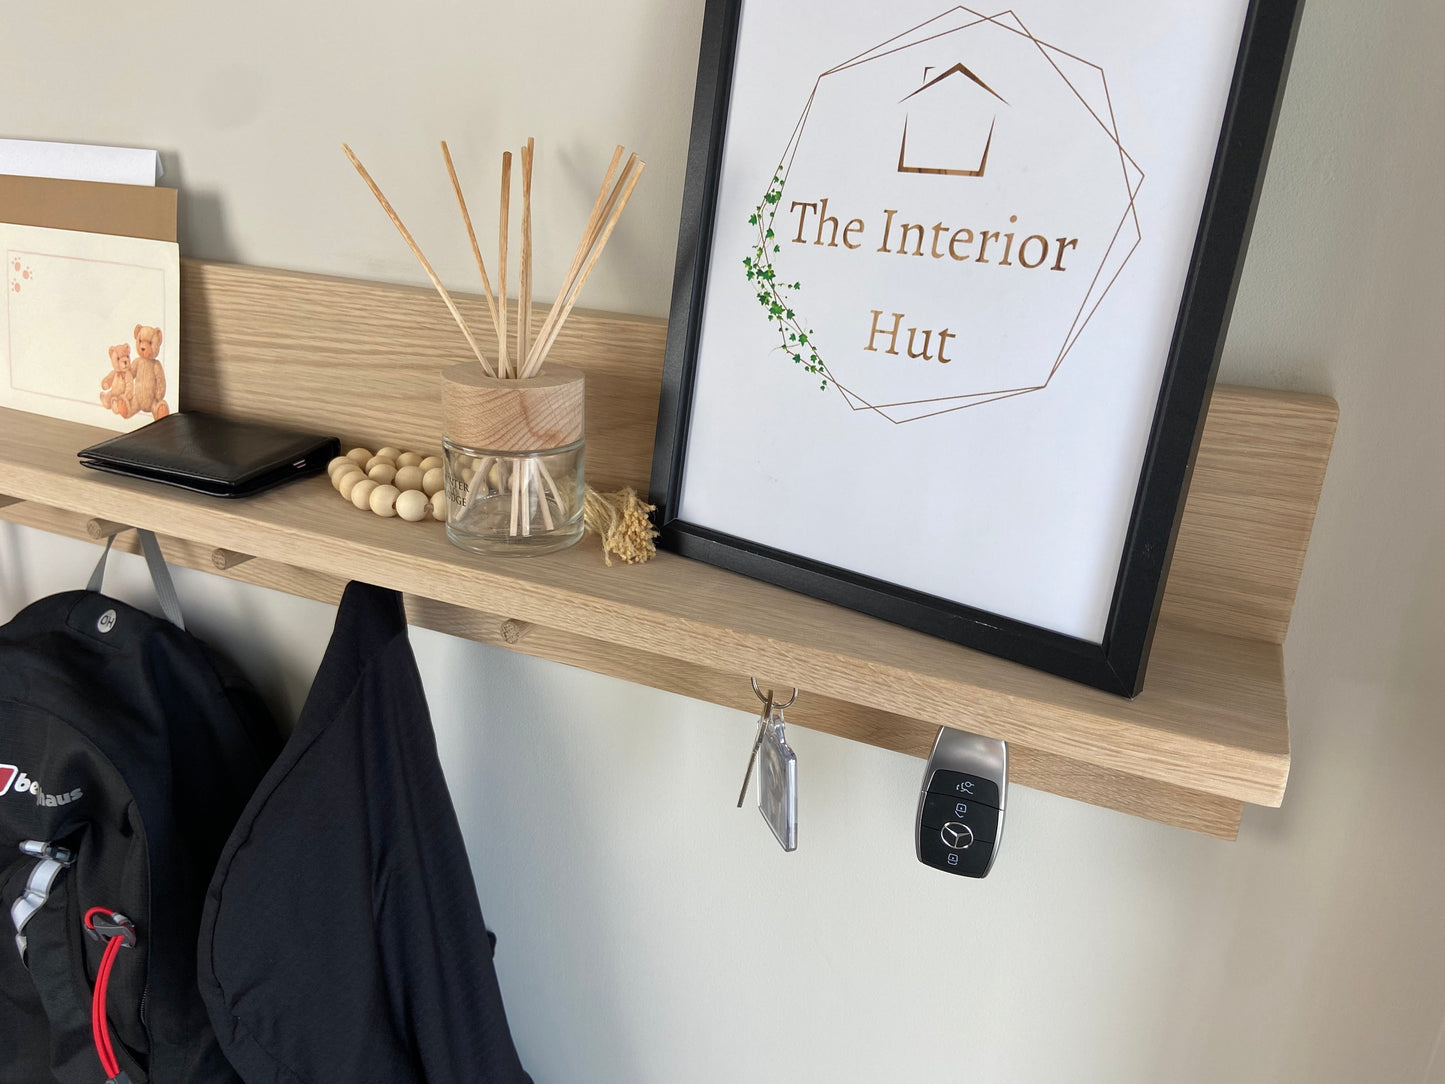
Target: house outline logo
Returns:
[8, 772]
[932, 85]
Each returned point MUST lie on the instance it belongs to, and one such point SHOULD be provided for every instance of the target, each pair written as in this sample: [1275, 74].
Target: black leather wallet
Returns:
[210, 454]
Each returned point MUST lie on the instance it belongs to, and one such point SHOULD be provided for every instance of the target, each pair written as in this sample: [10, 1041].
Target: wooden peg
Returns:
[101, 529]
[513, 630]
[224, 559]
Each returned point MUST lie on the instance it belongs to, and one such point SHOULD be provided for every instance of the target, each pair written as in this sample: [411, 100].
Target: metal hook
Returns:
[785, 704]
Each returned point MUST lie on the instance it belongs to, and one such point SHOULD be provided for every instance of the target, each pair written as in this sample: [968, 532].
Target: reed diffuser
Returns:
[514, 434]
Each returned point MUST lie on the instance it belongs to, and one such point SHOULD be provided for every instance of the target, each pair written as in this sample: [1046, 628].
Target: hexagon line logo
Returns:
[963, 147]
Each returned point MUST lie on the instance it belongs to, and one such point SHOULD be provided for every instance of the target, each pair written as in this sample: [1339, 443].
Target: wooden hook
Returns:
[101, 529]
[224, 559]
[513, 630]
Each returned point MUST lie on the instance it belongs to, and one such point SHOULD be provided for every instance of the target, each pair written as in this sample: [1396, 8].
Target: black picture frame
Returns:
[1118, 664]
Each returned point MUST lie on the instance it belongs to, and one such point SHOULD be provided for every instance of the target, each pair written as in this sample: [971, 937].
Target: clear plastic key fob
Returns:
[778, 783]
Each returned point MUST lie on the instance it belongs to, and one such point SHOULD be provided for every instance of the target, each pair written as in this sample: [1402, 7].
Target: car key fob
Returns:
[960, 808]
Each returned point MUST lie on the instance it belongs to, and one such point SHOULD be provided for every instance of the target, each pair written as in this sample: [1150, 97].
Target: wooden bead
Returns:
[379, 460]
[431, 462]
[497, 476]
[408, 478]
[350, 468]
[432, 481]
[408, 459]
[439, 505]
[359, 456]
[361, 493]
[389, 453]
[336, 464]
[382, 474]
[412, 505]
[347, 484]
[383, 500]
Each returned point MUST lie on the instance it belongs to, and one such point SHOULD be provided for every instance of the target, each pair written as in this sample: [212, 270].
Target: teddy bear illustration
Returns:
[116, 387]
[150, 379]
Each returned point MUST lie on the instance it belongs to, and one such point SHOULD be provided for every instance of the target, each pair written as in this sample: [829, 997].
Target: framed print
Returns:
[951, 288]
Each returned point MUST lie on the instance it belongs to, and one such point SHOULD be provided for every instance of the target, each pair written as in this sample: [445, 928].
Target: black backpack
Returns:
[127, 751]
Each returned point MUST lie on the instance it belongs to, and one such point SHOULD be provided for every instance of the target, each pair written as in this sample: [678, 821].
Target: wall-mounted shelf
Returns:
[1208, 733]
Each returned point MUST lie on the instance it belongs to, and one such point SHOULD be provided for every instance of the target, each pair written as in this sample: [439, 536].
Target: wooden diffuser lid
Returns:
[531, 415]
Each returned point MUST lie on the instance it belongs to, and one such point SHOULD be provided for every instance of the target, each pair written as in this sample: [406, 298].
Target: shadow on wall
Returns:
[14, 576]
[202, 225]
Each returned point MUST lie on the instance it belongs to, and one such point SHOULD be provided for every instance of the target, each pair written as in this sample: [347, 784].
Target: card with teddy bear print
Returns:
[89, 326]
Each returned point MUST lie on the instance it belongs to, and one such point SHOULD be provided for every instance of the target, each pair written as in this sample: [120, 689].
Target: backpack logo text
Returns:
[11, 777]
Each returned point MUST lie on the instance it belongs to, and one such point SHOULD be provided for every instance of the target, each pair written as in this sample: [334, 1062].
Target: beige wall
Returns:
[249, 104]
[650, 932]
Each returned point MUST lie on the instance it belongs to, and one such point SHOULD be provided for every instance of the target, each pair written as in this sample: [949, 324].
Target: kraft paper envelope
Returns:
[90, 325]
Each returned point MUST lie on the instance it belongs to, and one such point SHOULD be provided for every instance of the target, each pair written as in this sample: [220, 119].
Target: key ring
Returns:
[786, 704]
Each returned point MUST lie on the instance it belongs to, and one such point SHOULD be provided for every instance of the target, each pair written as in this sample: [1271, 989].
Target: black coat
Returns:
[342, 938]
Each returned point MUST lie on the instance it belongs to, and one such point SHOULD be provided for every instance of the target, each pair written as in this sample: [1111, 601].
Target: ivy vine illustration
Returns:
[775, 297]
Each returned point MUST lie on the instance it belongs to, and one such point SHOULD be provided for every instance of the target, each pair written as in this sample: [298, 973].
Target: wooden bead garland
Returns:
[391, 483]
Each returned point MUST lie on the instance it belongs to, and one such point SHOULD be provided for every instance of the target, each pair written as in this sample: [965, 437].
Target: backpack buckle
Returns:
[54, 851]
[106, 927]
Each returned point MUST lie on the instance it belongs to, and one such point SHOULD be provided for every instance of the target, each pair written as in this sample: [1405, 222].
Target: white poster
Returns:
[90, 326]
[949, 251]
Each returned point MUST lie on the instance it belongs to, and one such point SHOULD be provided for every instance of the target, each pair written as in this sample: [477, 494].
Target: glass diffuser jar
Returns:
[513, 460]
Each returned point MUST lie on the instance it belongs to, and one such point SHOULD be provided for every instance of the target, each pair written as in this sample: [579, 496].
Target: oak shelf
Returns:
[1208, 733]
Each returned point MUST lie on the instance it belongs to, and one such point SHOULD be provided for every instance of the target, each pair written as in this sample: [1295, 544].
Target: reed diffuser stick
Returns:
[526, 497]
[516, 497]
[542, 498]
[571, 286]
[581, 253]
[546, 345]
[594, 230]
[524, 296]
[551, 484]
[502, 230]
[472, 237]
[425, 263]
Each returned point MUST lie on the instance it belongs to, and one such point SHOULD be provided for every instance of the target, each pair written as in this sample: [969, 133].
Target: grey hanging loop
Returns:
[161, 577]
[170, 602]
[97, 578]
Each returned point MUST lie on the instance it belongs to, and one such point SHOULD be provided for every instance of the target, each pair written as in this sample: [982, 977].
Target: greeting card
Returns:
[90, 318]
